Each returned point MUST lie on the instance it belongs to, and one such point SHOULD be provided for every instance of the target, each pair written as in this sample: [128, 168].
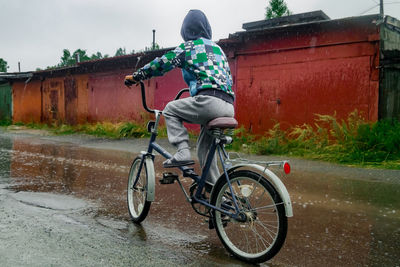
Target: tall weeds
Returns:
[352, 141]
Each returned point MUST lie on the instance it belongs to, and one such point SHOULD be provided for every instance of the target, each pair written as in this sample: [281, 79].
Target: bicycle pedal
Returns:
[168, 178]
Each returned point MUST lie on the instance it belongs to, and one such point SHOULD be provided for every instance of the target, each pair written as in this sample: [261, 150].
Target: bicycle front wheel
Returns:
[261, 230]
[138, 205]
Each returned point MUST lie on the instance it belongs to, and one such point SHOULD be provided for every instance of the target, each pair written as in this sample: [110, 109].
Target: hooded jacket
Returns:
[204, 64]
[195, 25]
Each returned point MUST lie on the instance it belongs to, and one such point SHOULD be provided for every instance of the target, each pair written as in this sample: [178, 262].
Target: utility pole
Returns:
[154, 39]
[381, 9]
[77, 58]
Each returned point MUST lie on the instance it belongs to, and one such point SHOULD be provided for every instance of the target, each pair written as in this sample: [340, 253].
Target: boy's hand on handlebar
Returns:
[129, 80]
[132, 79]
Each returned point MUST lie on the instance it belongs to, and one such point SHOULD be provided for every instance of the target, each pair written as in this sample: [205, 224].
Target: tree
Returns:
[82, 55]
[3, 65]
[276, 9]
[152, 48]
[120, 52]
[69, 59]
[66, 59]
[98, 55]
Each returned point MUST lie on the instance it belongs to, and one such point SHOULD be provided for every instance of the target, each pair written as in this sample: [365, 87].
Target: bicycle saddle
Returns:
[222, 123]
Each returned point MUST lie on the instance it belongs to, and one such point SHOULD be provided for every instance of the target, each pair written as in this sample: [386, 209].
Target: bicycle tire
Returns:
[263, 233]
[138, 205]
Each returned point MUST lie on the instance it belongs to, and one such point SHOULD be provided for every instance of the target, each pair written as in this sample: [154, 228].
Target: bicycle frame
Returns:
[186, 171]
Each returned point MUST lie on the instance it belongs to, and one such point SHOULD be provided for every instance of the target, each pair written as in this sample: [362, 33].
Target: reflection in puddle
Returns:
[5, 162]
[92, 174]
[337, 222]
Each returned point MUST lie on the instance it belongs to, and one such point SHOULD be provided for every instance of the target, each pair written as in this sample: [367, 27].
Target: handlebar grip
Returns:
[129, 78]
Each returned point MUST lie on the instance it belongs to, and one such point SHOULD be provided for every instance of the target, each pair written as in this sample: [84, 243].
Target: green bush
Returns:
[5, 122]
[379, 141]
[132, 130]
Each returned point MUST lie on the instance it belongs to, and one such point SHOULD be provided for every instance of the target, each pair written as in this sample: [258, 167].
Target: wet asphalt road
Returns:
[62, 203]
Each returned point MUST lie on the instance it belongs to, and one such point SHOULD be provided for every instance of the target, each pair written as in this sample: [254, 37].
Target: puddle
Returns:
[337, 221]
[50, 201]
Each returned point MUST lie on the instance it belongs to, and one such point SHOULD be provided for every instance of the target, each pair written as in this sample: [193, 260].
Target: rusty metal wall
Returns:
[53, 100]
[110, 100]
[76, 99]
[27, 101]
[288, 80]
[82, 83]
[65, 99]
[70, 100]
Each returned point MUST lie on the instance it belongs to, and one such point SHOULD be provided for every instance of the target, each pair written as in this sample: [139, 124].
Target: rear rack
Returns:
[234, 157]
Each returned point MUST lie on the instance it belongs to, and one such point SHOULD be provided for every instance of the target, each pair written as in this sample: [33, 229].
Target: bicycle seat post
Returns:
[216, 127]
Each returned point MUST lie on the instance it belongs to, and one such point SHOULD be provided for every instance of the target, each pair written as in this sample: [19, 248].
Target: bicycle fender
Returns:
[276, 183]
[151, 184]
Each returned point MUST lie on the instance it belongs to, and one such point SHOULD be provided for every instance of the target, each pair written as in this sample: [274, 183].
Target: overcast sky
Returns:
[35, 32]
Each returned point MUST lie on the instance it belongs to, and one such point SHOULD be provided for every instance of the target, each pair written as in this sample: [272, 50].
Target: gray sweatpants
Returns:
[199, 109]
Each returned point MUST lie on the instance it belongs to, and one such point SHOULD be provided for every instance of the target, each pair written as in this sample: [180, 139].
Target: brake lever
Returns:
[128, 83]
[137, 62]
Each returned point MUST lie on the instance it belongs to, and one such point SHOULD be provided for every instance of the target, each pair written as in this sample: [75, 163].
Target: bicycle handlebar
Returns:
[144, 98]
[142, 88]
[180, 93]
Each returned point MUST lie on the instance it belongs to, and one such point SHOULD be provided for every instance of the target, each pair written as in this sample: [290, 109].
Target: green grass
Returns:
[103, 129]
[353, 141]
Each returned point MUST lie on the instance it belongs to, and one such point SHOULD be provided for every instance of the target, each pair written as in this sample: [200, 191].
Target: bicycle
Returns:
[248, 205]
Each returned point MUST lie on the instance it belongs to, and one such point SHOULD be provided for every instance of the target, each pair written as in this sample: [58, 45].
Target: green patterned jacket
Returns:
[203, 63]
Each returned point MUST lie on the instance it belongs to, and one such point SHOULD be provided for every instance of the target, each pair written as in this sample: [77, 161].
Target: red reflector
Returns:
[286, 167]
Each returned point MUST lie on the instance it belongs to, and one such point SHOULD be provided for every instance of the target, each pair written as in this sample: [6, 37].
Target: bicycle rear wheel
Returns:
[261, 232]
[138, 205]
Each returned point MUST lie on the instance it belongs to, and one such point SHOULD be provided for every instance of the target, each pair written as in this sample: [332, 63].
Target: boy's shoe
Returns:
[172, 163]
[181, 158]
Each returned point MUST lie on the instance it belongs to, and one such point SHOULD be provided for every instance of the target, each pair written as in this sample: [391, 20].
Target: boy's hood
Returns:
[195, 25]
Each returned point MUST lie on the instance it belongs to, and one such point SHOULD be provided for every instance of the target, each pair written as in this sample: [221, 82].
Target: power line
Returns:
[378, 4]
[370, 8]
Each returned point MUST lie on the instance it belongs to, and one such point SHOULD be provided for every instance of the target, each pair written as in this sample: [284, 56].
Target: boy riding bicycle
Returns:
[206, 71]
